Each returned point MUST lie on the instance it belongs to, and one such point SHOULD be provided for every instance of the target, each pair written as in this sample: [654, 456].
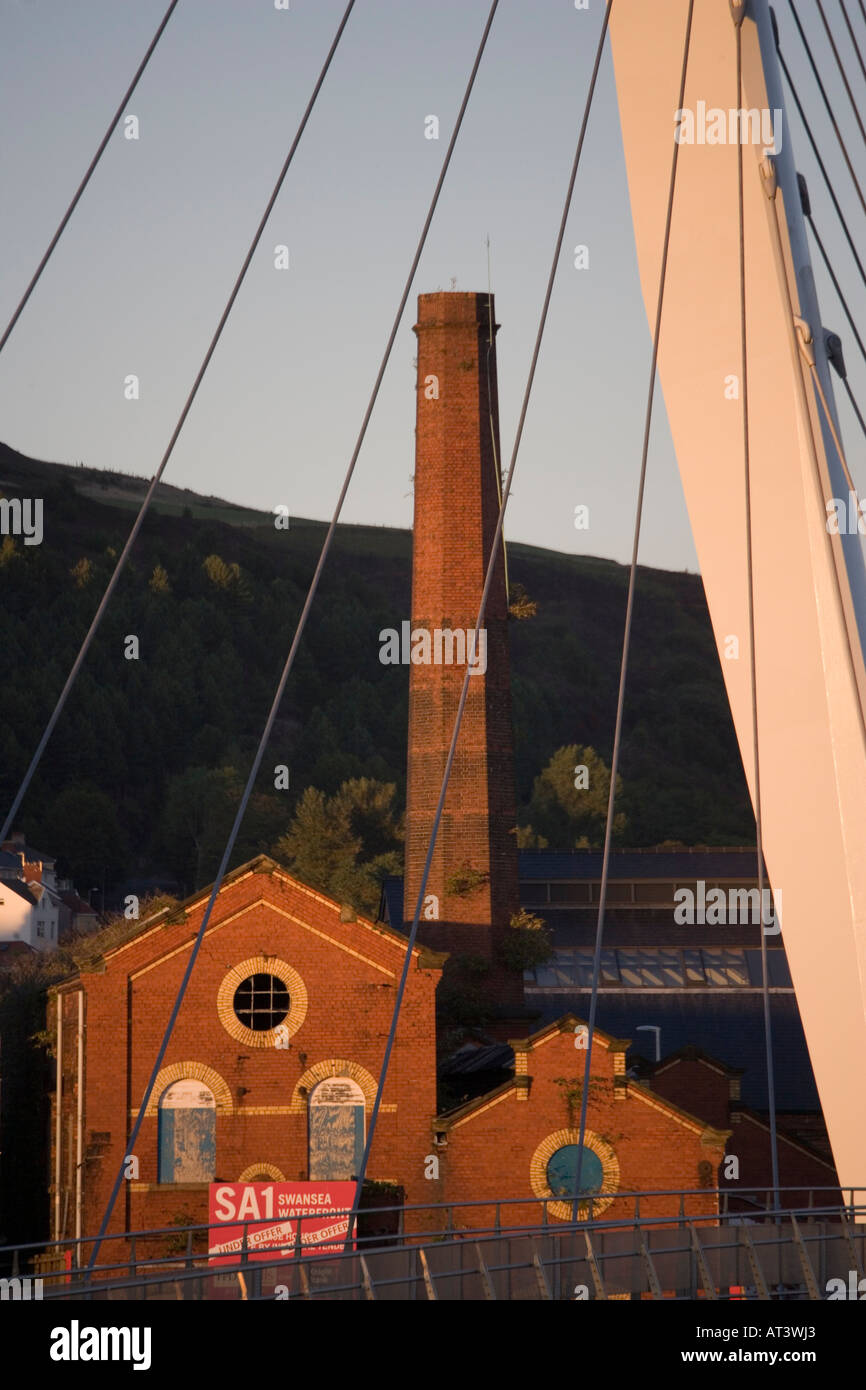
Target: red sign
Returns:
[273, 1213]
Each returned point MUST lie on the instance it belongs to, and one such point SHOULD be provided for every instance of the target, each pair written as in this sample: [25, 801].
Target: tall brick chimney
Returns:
[456, 507]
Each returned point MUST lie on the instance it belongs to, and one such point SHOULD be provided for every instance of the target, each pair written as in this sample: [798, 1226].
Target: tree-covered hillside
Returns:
[144, 769]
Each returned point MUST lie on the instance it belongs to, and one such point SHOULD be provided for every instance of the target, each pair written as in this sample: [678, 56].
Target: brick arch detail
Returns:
[334, 1066]
[191, 1071]
[261, 965]
[270, 1168]
[544, 1153]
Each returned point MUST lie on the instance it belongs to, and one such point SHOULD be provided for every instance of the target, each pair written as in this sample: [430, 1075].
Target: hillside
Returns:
[213, 592]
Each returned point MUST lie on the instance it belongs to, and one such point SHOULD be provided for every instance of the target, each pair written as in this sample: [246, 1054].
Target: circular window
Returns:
[261, 1002]
[553, 1173]
[562, 1171]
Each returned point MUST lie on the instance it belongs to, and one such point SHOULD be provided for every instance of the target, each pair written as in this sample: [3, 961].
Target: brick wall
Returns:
[702, 1086]
[500, 1144]
[348, 973]
[456, 507]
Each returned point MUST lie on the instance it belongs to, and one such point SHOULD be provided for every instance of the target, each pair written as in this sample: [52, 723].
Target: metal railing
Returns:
[649, 1244]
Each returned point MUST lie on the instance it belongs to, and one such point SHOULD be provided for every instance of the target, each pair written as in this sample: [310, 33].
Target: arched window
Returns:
[336, 1117]
[187, 1133]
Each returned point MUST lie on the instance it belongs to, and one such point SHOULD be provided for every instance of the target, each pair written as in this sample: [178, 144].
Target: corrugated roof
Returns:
[682, 865]
[630, 863]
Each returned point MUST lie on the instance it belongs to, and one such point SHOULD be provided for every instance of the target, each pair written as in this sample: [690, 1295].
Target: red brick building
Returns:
[272, 1069]
[522, 1138]
[283, 1025]
[712, 1090]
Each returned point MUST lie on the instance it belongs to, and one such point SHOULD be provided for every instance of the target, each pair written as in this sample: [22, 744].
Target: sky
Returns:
[144, 269]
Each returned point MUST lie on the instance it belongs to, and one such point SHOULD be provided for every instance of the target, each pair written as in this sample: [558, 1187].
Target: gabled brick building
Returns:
[273, 1062]
[712, 1090]
[522, 1138]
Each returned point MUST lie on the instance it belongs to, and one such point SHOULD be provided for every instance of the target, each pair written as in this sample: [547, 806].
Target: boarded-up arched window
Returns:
[187, 1133]
[336, 1129]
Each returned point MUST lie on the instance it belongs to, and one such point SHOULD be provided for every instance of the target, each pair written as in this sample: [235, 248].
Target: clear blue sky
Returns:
[144, 269]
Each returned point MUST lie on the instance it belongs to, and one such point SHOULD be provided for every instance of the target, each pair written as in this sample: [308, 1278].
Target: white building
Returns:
[31, 908]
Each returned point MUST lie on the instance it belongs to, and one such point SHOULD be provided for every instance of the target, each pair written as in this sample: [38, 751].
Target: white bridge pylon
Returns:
[809, 585]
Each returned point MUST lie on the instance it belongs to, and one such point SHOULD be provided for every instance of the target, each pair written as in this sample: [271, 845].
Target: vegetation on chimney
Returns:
[466, 880]
[527, 942]
[520, 605]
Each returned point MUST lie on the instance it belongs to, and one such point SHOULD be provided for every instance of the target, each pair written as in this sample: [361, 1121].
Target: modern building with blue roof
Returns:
[666, 984]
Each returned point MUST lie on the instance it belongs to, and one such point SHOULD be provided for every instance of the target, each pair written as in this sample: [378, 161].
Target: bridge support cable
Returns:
[836, 358]
[34, 280]
[834, 345]
[302, 621]
[494, 549]
[854, 40]
[837, 287]
[154, 483]
[753, 675]
[841, 68]
[800, 339]
[817, 153]
[807, 348]
[629, 615]
[839, 136]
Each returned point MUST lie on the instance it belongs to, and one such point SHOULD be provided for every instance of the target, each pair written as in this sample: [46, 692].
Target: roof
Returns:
[472, 1058]
[698, 862]
[729, 1027]
[97, 946]
[391, 909]
[33, 856]
[76, 904]
[11, 951]
[693, 1054]
[16, 886]
[565, 1024]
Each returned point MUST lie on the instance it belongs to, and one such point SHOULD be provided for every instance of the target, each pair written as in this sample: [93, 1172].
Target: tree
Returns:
[345, 844]
[82, 572]
[200, 806]
[81, 828]
[568, 808]
[158, 583]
